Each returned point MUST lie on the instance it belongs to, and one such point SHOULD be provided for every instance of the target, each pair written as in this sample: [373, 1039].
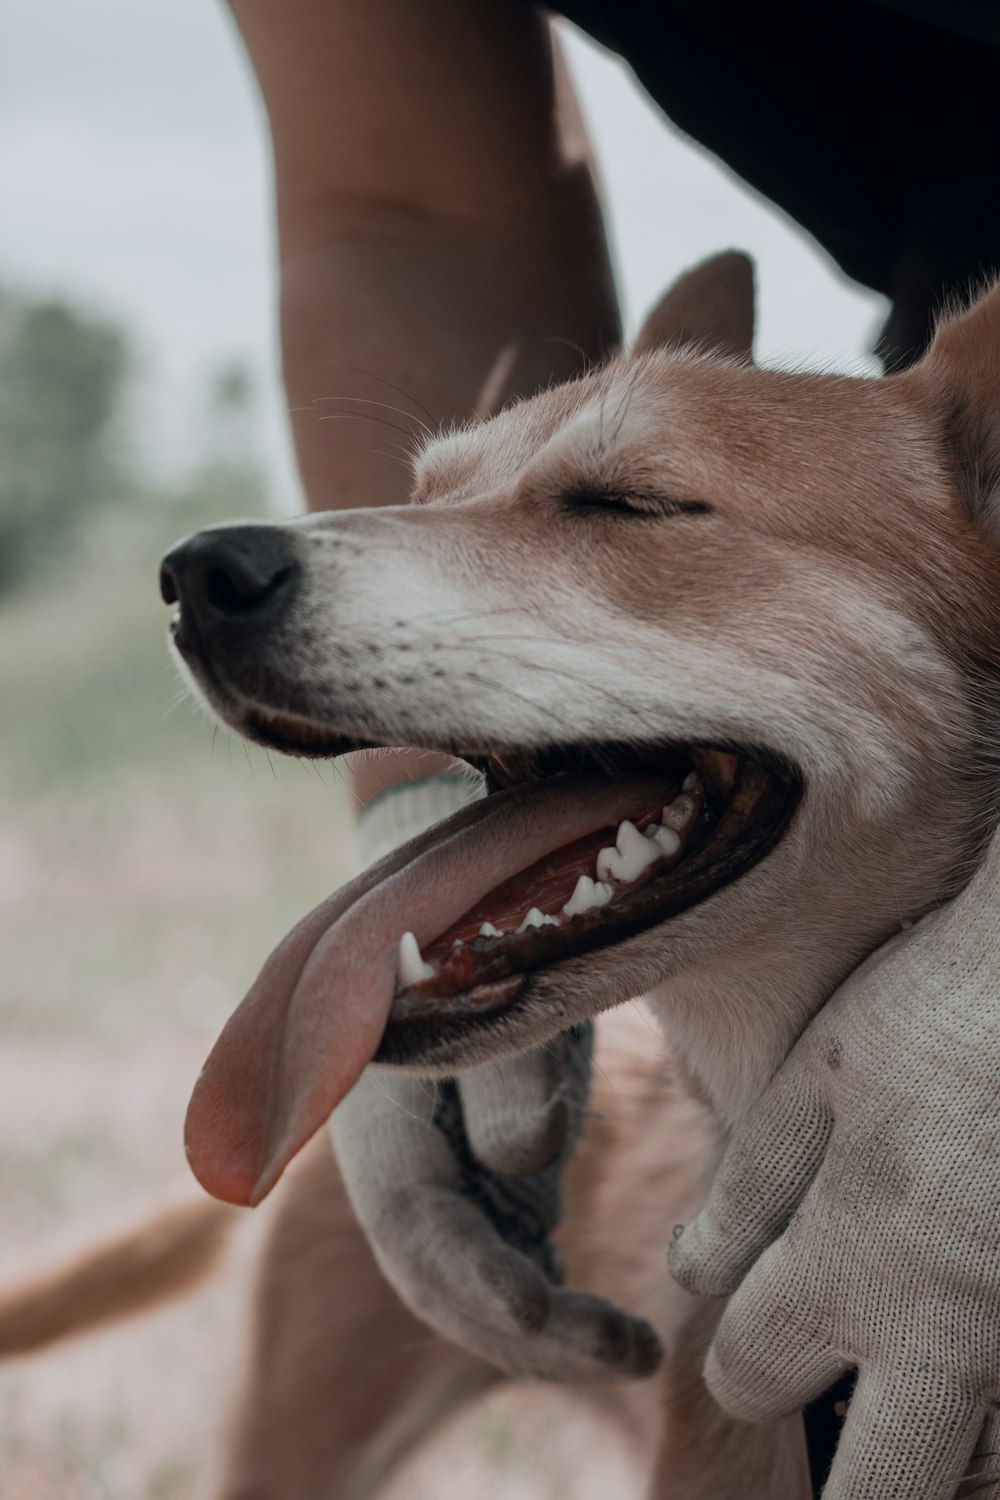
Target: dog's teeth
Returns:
[412, 969]
[691, 782]
[635, 848]
[661, 838]
[587, 894]
[679, 813]
[610, 865]
[667, 842]
[636, 851]
[581, 899]
[536, 918]
[488, 930]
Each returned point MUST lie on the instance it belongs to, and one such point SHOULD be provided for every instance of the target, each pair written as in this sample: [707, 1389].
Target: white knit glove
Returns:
[457, 1184]
[856, 1217]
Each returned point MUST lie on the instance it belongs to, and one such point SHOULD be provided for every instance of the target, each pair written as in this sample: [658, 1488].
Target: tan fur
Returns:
[151, 1263]
[711, 308]
[838, 608]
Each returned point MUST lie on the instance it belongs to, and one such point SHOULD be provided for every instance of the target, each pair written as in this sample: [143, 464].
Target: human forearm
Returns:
[439, 318]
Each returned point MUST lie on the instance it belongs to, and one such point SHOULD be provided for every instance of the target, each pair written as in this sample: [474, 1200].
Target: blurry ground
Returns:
[146, 867]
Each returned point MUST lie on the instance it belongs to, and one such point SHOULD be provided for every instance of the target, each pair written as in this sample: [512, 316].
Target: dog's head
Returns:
[737, 628]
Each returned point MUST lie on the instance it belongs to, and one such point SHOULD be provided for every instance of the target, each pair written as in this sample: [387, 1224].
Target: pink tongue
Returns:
[314, 1017]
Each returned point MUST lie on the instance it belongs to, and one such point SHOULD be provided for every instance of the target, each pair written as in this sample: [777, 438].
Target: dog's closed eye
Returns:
[636, 504]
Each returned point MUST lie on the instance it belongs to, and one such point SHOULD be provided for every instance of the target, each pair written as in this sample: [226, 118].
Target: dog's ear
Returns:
[963, 365]
[710, 307]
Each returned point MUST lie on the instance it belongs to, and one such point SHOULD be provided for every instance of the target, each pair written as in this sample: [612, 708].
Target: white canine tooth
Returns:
[488, 930]
[691, 782]
[582, 897]
[586, 895]
[412, 969]
[668, 842]
[679, 813]
[637, 852]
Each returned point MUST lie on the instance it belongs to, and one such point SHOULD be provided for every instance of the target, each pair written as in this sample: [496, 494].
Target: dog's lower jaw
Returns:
[729, 1024]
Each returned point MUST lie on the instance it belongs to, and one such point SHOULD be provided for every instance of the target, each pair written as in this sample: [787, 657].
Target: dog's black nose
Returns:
[231, 571]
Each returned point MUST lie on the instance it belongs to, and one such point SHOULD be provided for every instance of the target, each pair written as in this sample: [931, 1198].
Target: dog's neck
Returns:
[756, 1014]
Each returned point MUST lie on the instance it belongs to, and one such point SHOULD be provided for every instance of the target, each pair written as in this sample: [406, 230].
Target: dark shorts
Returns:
[875, 125]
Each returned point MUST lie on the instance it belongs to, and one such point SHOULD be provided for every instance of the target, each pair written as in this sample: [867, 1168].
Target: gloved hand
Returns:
[467, 1248]
[457, 1184]
[856, 1217]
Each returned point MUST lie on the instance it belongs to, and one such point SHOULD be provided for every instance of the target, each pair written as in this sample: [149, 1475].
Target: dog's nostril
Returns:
[233, 590]
[168, 585]
[227, 572]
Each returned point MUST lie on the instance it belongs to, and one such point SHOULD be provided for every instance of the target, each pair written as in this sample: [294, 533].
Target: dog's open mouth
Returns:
[710, 817]
[699, 819]
[576, 849]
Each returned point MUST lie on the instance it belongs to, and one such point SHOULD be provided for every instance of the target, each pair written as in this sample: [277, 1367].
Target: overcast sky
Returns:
[134, 174]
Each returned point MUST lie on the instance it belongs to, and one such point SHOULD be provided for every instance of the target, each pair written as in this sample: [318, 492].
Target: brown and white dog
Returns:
[679, 576]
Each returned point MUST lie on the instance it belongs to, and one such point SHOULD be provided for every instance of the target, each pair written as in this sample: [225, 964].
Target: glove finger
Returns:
[515, 1121]
[584, 1340]
[769, 1357]
[762, 1177]
[983, 1478]
[450, 1266]
[521, 1113]
[385, 1139]
[430, 1241]
[906, 1437]
[604, 1338]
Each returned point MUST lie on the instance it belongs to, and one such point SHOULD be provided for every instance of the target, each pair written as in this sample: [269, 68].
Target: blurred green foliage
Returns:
[151, 840]
[72, 473]
[62, 379]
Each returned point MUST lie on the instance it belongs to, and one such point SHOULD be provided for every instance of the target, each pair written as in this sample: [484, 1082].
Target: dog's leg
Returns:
[705, 1454]
[140, 1267]
[343, 1382]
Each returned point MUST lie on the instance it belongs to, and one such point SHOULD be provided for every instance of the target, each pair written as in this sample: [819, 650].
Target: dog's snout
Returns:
[230, 572]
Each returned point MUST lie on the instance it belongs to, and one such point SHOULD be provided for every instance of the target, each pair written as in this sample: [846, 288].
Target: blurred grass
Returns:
[147, 859]
[50, 1175]
[148, 863]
